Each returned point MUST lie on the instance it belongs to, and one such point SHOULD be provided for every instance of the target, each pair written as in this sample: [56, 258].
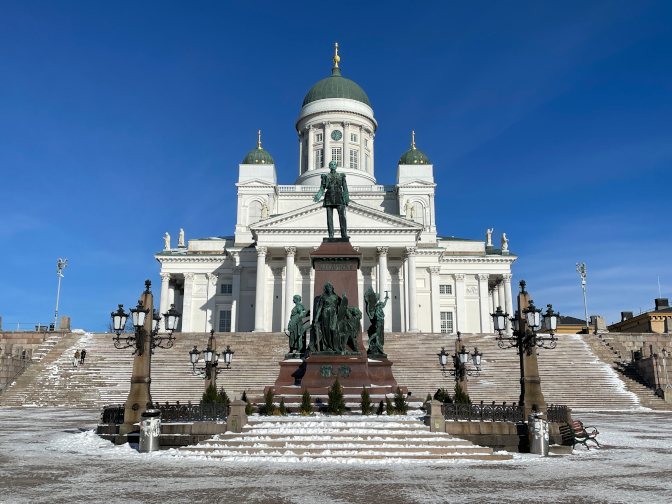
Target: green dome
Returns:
[336, 87]
[413, 156]
[258, 156]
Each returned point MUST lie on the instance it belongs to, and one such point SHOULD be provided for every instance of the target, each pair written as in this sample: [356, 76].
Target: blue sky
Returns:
[120, 121]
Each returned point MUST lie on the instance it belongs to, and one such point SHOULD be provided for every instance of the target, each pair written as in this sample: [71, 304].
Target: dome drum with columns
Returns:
[246, 282]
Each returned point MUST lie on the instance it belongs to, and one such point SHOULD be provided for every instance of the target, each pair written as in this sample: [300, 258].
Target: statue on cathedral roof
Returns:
[180, 239]
[336, 195]
[166, 242]
[505, 243]
[488, 236]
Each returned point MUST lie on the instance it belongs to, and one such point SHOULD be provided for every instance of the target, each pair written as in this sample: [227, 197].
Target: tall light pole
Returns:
[581, 269]
[61, 265]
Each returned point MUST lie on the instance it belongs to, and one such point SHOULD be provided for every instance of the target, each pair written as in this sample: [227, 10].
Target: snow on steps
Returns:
[341, 438]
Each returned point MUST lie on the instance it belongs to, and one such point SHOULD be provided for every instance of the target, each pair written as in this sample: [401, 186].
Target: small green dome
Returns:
[258, 156]
[336, 87]
[413, 156]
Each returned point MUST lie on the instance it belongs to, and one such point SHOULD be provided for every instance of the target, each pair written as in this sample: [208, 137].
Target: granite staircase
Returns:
[342, 438]
[610, 351]
[572, 374]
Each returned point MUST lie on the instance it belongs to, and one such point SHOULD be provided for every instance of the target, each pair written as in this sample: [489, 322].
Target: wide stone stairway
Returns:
[323, 438]
[571, 374]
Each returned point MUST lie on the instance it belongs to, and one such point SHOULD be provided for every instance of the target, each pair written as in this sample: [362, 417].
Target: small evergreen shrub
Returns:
[306, 407]
[282, 409]
[381, 408]
[460, 397]
[336, 403]
[222, 397]
[400, 404]
[249, 409]
[389, 407]
[210, 394]
[269, 407]
[367, 407]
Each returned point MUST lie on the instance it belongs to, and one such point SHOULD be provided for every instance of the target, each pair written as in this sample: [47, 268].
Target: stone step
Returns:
[337, 450]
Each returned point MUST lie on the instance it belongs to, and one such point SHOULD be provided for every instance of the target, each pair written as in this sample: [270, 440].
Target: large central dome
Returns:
[336, 87]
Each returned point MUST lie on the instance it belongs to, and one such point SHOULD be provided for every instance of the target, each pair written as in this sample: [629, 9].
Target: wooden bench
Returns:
[576, 433]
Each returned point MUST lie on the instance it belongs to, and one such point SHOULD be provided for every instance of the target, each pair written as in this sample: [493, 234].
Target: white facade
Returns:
[246, 282]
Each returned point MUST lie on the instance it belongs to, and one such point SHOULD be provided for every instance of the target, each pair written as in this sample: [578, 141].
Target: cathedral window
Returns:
[254, 212]
[445, 289]
[366, 162]
[353, 137]
[336, 155]
[226, 289]
[319, 161]
[318, 137]
[354, 159]
[225, 321]
[366, 142]
[446, 322]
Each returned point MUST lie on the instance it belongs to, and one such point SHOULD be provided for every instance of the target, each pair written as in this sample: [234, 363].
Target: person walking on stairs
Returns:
[76, 360]
[83, 355]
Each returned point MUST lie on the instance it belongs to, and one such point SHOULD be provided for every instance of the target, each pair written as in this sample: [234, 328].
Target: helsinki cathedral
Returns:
[246, 282]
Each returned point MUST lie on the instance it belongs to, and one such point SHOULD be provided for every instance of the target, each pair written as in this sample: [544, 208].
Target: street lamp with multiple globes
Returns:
[526, 340]
[210, 363]
[138, 317]
[460, 360]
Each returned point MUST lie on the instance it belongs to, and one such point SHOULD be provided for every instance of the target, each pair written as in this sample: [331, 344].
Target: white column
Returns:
[495, 297]
[312, 291]
[186, 301]
[460, 293]
[300, 153]
[327, 151]
[492, 310]
[406, 301]
[165, 284]
[483, 297]
[412, 291]
[346, 144]
[289, 284]
[382, 283]
[371, 160]
[435, 289]
[362, 151]
[211, 316]
[260, 292]
[508, 300]
[235, 297]
[311, 152]
[501, 296]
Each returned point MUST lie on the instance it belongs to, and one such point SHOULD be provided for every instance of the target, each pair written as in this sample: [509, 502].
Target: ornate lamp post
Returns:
[146, 329]
[461, 358]
[525, 340]
[211, 360]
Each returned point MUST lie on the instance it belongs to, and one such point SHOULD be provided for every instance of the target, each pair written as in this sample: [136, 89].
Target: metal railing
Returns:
[484, 412]
[198, 412]
[352, 189]
[26, 326]
[499, 412]
[26, 363]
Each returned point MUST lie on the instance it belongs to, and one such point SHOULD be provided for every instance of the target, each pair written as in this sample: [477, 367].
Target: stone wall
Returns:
[9, 367]
[647, 343]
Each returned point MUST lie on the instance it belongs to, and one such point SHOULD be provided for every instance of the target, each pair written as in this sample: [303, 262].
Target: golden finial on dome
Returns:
[413, 141]
[259, 141]
[336, 57]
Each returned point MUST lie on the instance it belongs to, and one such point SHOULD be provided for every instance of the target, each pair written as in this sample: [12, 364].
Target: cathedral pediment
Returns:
[309, 222]
[255, 182]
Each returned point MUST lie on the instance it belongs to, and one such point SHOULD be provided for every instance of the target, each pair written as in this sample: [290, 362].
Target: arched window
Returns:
[254, 211]
[419, 213]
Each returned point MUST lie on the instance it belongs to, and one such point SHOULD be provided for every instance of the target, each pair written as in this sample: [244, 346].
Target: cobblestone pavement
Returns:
[50, 455]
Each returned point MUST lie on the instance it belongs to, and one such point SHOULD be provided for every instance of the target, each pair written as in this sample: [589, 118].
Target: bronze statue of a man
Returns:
[336, 196]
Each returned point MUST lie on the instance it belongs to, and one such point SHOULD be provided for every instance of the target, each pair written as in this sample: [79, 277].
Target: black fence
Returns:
[484, 412]
[198, 412]
[499, 412]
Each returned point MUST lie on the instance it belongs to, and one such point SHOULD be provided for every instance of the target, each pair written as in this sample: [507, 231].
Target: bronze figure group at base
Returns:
[337, 325]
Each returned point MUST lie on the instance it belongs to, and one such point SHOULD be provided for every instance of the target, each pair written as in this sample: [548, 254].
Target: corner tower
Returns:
[336, 124]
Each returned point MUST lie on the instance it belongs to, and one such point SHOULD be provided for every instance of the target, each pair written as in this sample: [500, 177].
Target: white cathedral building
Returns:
[246, 282]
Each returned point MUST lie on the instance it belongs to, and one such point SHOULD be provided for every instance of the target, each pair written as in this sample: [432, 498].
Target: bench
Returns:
[576, 433]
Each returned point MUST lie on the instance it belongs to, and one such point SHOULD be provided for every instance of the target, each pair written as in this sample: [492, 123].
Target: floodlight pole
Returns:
[581, 269]
[60, 266]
